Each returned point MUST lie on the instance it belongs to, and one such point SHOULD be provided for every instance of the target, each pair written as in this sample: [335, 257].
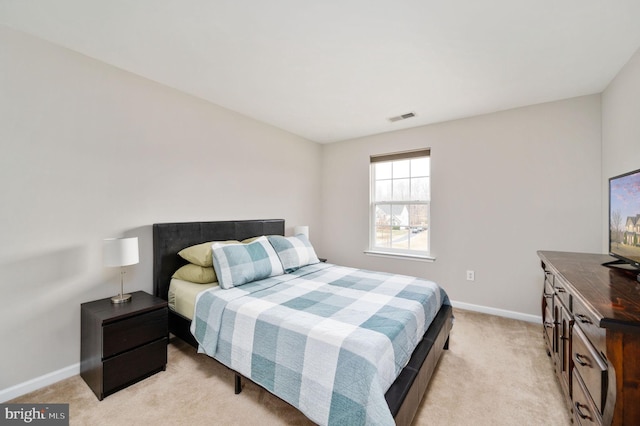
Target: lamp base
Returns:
[121, 298]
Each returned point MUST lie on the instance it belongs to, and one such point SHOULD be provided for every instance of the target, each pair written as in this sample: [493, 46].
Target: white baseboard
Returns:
[498, 312]
[39, 382]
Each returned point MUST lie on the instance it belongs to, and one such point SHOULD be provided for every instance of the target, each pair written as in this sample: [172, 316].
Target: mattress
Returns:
[182, 296]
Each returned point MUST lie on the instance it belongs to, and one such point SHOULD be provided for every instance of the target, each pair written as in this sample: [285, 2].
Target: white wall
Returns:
[88, 152]
[504, 185]
[620, 130]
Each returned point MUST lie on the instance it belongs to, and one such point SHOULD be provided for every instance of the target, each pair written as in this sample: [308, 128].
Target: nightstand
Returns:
[122, 343]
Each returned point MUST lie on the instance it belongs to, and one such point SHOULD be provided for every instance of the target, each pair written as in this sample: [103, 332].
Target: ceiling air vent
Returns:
[402, 117]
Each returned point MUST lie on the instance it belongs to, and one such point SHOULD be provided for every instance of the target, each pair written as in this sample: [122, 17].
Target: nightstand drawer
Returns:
[126, 334]
[134, 365]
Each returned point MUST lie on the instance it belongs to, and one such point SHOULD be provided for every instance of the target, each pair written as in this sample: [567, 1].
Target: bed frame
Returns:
[404, 395]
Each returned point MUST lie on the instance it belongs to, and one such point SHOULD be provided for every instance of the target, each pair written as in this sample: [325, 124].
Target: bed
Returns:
[403, 395]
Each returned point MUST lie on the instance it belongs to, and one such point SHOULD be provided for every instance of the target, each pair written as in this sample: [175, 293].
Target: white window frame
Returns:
[373, 203]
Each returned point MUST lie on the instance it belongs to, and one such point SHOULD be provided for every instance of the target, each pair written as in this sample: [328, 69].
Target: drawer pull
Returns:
[561, 290]
[583, 319]
[582, 414]
[548, 295]
[582, 360]
[548, 324]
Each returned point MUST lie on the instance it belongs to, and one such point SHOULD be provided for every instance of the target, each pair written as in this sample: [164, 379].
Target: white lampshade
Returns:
[301, 229]
[120, 251]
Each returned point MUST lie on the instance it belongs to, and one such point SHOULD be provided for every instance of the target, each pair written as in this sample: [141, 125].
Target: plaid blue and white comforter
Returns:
[328, 339]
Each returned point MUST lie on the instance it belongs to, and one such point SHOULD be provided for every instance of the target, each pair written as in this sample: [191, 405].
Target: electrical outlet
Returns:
[471, 275]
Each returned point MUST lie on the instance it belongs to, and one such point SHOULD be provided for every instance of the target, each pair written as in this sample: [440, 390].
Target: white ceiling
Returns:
[331, 70]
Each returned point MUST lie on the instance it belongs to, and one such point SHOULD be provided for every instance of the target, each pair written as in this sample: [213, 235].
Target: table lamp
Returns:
[120, 252]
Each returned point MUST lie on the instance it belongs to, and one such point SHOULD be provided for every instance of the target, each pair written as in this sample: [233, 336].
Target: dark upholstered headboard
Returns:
[170, 238]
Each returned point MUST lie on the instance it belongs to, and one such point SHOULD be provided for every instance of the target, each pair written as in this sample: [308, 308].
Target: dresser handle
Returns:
[561, 290]
[547, 294]
[548, 324]
[582, 360]
[581, 413]
[583, 319]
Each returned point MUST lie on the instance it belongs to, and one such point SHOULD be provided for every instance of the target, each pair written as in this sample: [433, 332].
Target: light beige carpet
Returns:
[496, 372]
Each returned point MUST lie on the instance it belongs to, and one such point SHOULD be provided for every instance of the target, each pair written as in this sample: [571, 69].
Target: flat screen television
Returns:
[624, 218]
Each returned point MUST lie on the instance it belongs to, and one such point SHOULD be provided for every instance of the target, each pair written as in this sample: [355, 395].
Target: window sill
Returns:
[420, 258]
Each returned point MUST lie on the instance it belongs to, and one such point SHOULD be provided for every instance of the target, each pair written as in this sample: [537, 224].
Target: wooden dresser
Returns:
[591, 320]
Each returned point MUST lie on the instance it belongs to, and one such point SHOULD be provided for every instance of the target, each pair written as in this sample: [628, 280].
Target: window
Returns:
[400, 198]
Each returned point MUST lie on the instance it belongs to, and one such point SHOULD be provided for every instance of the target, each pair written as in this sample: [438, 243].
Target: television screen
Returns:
[624, 217]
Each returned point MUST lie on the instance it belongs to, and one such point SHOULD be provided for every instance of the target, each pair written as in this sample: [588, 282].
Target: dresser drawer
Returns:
[584, 319]
[563, 294]
[126, 334]
[134, 365]
[584, 411]
[547, 311]
[548, 294]
[590, 367]
[549, 328]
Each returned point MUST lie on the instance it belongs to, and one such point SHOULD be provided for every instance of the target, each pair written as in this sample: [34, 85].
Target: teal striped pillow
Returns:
[294, 252]
[237, 264]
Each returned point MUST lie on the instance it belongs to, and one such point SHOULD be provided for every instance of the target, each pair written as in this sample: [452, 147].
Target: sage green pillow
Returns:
[196, 274]
[201, 254]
